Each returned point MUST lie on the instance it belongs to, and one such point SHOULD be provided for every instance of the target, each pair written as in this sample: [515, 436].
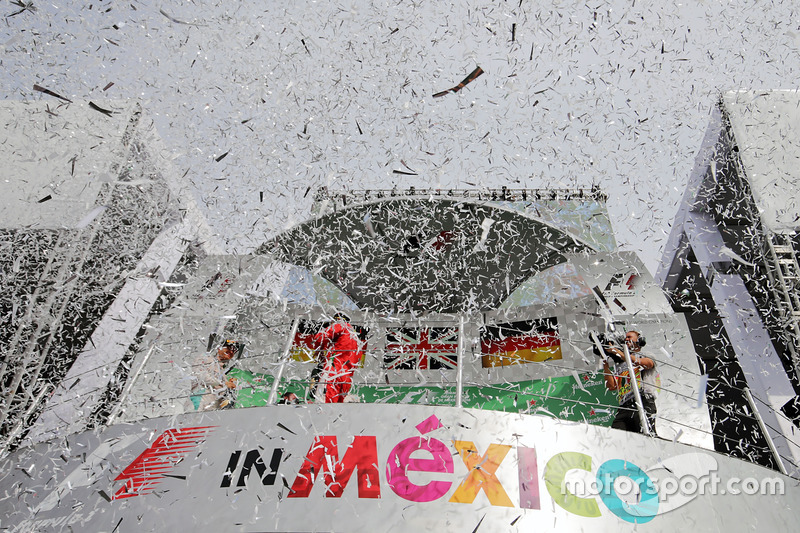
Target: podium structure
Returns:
[730, 266]
[479, 401]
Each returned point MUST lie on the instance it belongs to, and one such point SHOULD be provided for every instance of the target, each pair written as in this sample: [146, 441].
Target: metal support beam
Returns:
[460, 367]
[129, 387]
[79, 392]
[750, 339]
[637, 395]
[273, 394]
[770, 442]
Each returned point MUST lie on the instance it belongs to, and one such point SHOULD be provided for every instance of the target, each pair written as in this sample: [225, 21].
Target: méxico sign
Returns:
[358, 462]
[387, 468]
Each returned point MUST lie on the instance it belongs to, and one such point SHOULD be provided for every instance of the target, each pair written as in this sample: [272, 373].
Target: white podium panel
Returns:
[386, 468]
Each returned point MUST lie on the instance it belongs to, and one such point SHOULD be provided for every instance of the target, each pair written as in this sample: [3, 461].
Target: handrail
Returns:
[284, 357]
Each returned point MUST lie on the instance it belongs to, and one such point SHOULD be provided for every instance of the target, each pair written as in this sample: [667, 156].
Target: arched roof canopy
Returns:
[415, 254]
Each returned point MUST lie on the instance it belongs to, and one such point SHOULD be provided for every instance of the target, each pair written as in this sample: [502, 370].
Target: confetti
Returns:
[50, 93]
[470, 78]
[106, 198]
[96, 107]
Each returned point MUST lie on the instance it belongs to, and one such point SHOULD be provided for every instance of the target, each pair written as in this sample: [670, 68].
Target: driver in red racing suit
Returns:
[344, 354]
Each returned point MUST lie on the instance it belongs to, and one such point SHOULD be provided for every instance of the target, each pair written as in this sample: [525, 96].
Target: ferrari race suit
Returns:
[344, 354]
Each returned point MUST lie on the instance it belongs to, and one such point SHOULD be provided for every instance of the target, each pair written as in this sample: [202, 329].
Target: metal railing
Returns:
[502, 194]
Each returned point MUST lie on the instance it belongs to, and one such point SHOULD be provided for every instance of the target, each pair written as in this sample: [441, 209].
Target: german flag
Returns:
[514, 343]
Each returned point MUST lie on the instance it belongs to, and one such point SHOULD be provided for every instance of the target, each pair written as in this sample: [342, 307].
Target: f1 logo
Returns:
[151, 467]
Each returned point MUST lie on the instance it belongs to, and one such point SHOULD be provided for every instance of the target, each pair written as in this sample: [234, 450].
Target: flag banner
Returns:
[579, 398]
[421, 348]
[303, 346]
[303, 349]
[514, 343]
[584, 400]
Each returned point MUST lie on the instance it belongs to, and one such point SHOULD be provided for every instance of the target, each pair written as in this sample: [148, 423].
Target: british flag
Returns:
[421, 348]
